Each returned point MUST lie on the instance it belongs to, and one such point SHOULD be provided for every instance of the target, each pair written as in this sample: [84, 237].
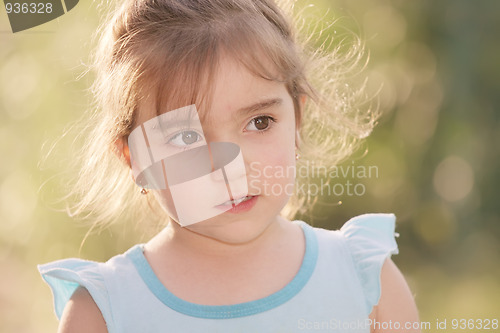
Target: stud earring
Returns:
[297, 156]
[144, 191]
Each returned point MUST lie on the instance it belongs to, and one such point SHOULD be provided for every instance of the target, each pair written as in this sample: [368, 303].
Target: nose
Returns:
[229, 167]
[223, 155]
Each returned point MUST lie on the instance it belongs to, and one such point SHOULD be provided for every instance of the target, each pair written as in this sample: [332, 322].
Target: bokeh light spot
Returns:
[453, 178]
[18, 200]
[435, 223]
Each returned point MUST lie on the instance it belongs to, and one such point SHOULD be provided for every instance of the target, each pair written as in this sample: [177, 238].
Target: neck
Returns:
[221, 240]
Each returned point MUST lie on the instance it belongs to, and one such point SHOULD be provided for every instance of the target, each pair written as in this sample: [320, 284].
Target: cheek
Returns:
[164, 197]
[278, 148]
[282, 153]
[273, 172]
[271, 159]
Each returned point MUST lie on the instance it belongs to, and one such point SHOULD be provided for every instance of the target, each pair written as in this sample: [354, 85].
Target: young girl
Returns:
[204, 104]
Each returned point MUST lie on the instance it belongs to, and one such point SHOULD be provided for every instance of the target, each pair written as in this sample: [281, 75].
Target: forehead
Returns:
[227, 85]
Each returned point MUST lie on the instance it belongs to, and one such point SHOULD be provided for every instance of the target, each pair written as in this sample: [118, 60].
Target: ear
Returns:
[121, 149]
[303, 99]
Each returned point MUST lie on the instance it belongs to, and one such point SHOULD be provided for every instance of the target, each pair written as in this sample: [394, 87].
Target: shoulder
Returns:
[370, 240]
[83, 290]
[396, 303]
[81, 314]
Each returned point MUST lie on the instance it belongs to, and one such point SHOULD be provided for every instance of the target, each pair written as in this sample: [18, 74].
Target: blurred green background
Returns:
[436, 149]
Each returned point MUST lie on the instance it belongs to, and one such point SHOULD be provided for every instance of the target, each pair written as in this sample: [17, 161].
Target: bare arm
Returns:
[81, 314]
[396, 304]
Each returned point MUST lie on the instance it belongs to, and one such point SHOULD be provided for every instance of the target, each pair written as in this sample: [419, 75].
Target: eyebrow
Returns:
[261, 105]
[186, 120]
[190, 121]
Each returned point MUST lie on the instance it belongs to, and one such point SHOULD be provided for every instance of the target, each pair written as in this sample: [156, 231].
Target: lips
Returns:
[236, 201]
[240, 205]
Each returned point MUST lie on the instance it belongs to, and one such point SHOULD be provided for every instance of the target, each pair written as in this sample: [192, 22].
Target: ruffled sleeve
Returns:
[65, 276]
[371, 240]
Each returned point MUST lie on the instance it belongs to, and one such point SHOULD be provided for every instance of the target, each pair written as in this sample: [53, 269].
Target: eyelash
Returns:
[272, 119]
[174, 135]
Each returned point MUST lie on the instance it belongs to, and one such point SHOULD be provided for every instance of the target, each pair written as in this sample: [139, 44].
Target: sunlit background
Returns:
[436, 149]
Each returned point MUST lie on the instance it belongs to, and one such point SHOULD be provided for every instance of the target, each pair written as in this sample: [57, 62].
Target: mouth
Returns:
[238, 205]
[237, 201]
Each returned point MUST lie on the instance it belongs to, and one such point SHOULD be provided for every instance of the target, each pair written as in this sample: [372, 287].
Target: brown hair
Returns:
[169, 50]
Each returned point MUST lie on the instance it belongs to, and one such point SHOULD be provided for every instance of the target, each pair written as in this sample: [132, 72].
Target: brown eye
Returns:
[260, 123]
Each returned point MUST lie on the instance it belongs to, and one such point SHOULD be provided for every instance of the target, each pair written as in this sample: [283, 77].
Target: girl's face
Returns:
[258, 116]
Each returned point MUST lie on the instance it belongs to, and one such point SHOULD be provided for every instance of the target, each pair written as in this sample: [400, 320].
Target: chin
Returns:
[234, 230]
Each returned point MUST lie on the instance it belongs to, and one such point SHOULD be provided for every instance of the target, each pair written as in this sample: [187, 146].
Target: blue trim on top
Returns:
[283, 295]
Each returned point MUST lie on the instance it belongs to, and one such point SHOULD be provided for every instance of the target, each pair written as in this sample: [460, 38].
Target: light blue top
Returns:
[334, 290]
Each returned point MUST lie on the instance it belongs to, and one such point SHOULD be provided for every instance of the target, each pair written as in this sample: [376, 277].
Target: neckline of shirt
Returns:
[136, 255]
